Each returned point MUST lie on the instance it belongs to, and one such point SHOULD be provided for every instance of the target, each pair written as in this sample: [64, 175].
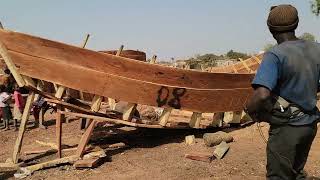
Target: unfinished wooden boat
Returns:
[244, 66]
[121, 78]
[31, 59]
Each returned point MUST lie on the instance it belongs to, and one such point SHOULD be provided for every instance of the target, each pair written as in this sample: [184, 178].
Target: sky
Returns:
[166, 28]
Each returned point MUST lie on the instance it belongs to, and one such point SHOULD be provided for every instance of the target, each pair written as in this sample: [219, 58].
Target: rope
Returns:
[273, 152]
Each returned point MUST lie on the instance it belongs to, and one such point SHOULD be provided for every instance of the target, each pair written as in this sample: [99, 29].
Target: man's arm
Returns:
[260, 105]
[266, 79]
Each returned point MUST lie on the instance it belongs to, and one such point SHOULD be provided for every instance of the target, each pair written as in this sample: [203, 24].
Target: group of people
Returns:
[11, 98]
[5, 106]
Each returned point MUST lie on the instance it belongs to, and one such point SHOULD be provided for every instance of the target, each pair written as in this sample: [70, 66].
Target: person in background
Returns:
[40, 106]
[5, 99]
[18, 106]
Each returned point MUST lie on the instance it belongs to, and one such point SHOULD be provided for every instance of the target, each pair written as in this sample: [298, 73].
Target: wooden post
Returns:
[96, 103]
[85, 139]
[11, 66]
[83, 46]
[60, 92]
[59, 119]
[195, 120]
[164, 117]
[129, 111]
[24, 119]
[112, 102]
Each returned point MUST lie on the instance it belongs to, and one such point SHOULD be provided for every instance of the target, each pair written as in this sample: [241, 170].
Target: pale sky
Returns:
[167, 28]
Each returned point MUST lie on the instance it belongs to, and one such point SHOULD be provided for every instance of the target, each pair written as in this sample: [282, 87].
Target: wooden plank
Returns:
[23, 125]
[221, 150]
[116, 86]
[80, 109]
[58, 52]
[87, 163]
[110, 120]
[85, 139]
[204, 157]
[201, 100]
[164, 117]
[195, 120]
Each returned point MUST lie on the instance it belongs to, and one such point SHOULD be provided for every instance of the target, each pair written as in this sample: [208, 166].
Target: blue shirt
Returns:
[291, 70]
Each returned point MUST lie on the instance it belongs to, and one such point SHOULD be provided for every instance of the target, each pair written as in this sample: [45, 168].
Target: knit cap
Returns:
[283, 18]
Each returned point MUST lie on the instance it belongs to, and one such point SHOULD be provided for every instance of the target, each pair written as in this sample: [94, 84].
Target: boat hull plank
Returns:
[131, 90]
[125, 67]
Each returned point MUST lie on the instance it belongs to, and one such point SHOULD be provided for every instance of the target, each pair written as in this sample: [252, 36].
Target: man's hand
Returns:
[260, 104]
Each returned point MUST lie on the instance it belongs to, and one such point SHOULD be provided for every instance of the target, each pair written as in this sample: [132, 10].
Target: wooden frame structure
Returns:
[94, 116]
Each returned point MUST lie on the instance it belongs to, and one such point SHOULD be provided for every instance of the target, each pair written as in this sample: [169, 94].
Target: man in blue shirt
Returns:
[285, 95]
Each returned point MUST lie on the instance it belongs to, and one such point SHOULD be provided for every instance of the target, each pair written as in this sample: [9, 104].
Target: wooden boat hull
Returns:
[125, 79]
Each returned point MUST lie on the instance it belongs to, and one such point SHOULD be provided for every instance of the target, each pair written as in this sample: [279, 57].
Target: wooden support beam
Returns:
[195, 120]
[59, 118]
[60, 92]
[109, 120]
[233, 117]
[85, 139]
[112, 102]
[256, 59]
[129, 111]
[245, 65]
[234, 68]
[23, 125]
[96, 103]
[83, 46]
[164, 117]
[11, 66]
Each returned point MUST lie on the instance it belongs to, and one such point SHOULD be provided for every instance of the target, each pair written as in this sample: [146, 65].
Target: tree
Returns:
[236, 55]
[267, 47]
[308, 37]
[315, 7]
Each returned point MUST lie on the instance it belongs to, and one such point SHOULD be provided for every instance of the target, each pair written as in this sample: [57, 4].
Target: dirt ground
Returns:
[154, 154]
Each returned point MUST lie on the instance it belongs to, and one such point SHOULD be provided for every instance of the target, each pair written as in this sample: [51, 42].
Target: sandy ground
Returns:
[154, 154]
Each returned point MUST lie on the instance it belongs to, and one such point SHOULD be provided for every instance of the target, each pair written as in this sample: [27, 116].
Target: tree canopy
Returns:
[308, 37]
[236, 55]
[315, 7]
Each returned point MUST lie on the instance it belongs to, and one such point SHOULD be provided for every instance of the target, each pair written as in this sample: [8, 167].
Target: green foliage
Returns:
[236, 55]
[267, 47]
[315, 7]
[204, 61]
[308, 37]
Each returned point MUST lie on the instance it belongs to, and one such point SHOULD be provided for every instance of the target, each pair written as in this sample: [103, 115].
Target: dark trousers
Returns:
[287, 150]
